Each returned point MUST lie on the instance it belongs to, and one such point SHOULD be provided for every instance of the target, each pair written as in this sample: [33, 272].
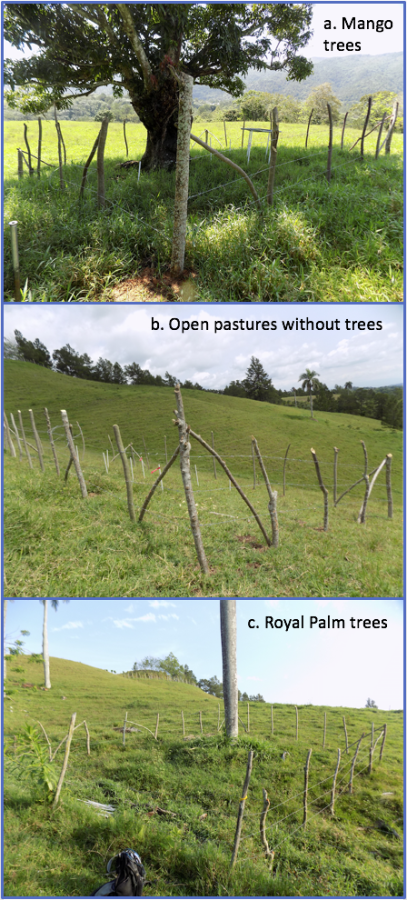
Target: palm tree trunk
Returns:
[228, 638]
[47, 681]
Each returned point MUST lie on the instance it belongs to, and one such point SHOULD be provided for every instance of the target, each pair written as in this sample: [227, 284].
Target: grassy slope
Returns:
[102, 553]
[200, 780]
[321, 242]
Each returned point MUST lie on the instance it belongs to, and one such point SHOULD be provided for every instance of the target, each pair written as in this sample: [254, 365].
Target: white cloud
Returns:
[129, 608]
[170, 616]
[121, 623]
[69, 626]
[157, 603]
[253, 678]
[272, 603]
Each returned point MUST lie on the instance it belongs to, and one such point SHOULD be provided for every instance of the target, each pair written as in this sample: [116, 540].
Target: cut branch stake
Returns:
[185, 447]
[126, 472]
[241, 809]
[323, 489]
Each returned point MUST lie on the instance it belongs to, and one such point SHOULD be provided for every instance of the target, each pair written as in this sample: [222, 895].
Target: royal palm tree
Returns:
[54, 604]
[309, 381]
[228, 639]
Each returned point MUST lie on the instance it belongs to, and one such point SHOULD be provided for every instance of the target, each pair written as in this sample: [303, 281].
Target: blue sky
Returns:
[321, 666]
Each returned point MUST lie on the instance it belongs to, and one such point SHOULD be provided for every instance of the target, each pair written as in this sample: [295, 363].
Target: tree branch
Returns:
[135, 43]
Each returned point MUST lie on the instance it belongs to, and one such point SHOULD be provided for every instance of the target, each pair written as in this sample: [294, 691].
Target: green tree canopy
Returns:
[33, 351]
[137, 46]
[257, 383]
[318, 99]
[382, 105]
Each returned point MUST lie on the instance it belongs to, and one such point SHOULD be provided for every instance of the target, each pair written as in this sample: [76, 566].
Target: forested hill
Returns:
[350, 78]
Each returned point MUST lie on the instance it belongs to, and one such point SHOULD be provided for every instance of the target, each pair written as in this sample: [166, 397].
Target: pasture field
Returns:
[341, 241]
[57, 544]
[197, 780]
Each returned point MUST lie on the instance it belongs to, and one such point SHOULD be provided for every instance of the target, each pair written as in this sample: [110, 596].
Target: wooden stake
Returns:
[51, 439]
[184, 447]
[254, 468]
[248, 718]
[336, 451]
[272, 506]
[101, 161]
[323, 489]
[86, 166]
[30, 168]
[391, 127]
[306, 769]
[334, 783]
[156, 483]
[218, 716]
[389, 458]
[75, 459]
[200, 721]
[379, 134]
[346, 734]
[308, 127]
[273, 154]
[234, 482]
[24, 439]
[17, 435]
[362, 140]
[352, 768]
[126, 472]
[343, 130]
[37, 440]
[369, 488]
[65, 764]
[39, 147]
[124, 730]
[241, 809]
[125, 138]
[328, 171]
[383, 741]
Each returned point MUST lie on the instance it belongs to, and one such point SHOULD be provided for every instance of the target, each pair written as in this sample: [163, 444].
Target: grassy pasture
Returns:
[57, 544]
[319, 242]
[199, 779]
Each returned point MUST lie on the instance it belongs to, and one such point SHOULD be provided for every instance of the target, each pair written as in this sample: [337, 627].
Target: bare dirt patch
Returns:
[152, 287]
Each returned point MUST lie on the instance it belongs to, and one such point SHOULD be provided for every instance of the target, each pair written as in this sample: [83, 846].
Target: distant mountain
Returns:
[351, 78]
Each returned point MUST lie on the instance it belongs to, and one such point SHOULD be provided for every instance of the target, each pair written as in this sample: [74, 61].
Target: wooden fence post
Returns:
[336, 451]
[17, 435]
[254, 468]
[200, 721]
[379, 134]
[241, 808]
[65, 764]
[75, 459]
[383, 741]
[362, 140]
[308, 127]
[346, 734]
[284, 465]
[244, 124]
[20, 170]
[369, 488]
[124, 730]
[126, 472]
[389, 458]
[343, 130]
[184, 452]
[218, 717]
[306, 769]
[328, 171]
[185, 85]
[371, 748]
[37, 440]
[273, 154]
[39, 147]
[86, 166]
[391, 128]
[334, 783]
[248, 718]
[101, 161]
[30, 168]
[51, 439]
[269, 853]
[157, 482]
[125, 138]
[352, 768]
[323, 489]
[24, 439]
[224, 129]
[272, 506]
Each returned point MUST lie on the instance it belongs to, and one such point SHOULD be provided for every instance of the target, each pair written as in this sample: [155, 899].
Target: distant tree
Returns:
[69, 362]
[370, 704]
[257, 383]
[318, 99]
[118, 376]
[211, 686]
[244, 697]
[254, 106]
[235, 389]
[309, 380]
[170, 380]
[103, 371]
[33, 351]
[10, 350]
[382, 105]
[257, 698]
[15, 648]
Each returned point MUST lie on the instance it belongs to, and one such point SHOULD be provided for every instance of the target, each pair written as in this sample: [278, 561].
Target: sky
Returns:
[323, 666]
[123, 333]
[373, 42]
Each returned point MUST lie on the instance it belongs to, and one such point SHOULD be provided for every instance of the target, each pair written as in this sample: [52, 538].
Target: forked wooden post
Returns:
[37, 440]
[75, 459]
[369, 488]
[157, 482]
[334, 783]
[323, 489]
[126, 472]
[272, 506]
[51, 439]
[306, 770]
[241, 809]
[184, 451]
[389, 458]
[269, 853]
[65, 763]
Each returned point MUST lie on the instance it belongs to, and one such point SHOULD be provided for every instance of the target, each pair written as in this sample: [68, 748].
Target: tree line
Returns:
[170, 665]
[384, 403]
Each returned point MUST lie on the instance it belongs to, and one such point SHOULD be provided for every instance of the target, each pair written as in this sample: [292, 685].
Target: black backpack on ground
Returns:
[130, 877]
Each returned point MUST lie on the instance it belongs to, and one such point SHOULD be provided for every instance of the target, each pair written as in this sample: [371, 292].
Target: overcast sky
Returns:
[336, 667]
[122, 333]
[373, 42]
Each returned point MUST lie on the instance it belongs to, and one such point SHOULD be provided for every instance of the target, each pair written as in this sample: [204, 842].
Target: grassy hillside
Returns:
[318, 242]
[198, 781]
[60, 545]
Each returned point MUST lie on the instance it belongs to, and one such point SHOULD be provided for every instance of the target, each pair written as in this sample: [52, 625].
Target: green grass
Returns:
[319, 242]
[199, 779]
[57, 544]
